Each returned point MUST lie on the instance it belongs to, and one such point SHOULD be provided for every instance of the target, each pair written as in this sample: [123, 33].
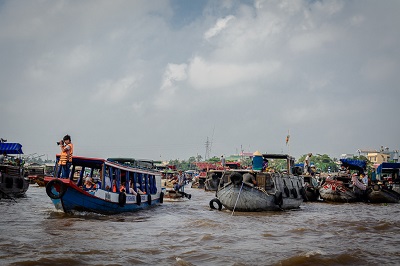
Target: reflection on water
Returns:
[190, 233]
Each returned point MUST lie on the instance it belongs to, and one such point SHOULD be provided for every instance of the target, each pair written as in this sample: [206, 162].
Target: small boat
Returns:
[385, 185]
[124, 185]
[13, 182]
[273, 190]
[176, 195]
[36, 173]
[344, 186]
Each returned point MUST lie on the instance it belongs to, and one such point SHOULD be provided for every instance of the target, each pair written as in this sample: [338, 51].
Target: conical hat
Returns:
[257, 153]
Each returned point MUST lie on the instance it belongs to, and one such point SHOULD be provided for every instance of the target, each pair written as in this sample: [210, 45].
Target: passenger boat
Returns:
[13, 182]
[273, 191]
[344, 186]
[112, 194]
[385, 187]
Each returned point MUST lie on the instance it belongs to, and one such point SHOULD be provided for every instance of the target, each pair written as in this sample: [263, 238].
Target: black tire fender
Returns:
[149, 199]
[286, 190]
[122, 199]
[294, 193]
[54, 183]
[138, 199]
[218, 203]
[161, 197]
[278, 198]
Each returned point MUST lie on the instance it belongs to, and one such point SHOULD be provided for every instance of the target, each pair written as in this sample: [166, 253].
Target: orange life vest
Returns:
[66, 155]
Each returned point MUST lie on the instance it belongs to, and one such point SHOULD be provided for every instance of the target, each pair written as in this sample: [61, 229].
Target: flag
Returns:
[287, 139]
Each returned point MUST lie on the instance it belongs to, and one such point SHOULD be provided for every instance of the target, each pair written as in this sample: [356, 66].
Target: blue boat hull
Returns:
[75, 199]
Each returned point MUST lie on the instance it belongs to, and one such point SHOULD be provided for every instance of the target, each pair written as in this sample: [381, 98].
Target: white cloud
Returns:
[218, 27]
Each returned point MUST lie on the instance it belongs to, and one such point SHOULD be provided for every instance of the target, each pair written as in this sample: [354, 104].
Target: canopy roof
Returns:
[354, 164]
[10, 148]
[388, 168]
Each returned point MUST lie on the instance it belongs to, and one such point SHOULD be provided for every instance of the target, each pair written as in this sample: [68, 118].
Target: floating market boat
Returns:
[273, 190]
[13, 182]
[124, 185]
[345, 186]
[385, 188]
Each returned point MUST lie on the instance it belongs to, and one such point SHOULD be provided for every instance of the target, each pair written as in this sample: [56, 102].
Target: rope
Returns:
[234, 207]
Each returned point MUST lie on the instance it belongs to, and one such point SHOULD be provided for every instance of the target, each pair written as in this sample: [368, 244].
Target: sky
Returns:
[160, 79]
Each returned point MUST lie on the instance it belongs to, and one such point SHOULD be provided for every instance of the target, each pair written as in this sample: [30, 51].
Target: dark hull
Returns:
[383, 195]
[12, 182]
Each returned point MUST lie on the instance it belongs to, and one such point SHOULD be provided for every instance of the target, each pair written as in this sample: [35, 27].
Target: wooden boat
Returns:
[176, 195]
[380, 193]
[342, 187]
[13, 182]
[385, 187]
[110, 196]
[274, 191]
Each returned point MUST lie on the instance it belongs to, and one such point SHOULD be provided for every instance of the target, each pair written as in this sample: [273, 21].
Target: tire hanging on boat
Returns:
[294, 193]
[149, 199]
[218, 203]
[278, 198]
[138, 199]
[53, 183]
[161, 197]
[122, 199]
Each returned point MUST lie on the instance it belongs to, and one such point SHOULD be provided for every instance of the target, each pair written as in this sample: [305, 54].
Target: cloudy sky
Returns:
[156, 79]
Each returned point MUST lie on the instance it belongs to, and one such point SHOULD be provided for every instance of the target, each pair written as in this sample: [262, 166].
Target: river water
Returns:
[32, 232]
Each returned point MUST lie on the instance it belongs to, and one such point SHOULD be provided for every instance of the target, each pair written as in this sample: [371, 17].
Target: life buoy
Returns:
[218, 203]
[149, 199]
[236, 178]
[189, 196]
[62, 188]
[161, 197]
[278, 198]
[122, 199]
[9, 182]
[294, 193]
[138, 199]
[20, 183]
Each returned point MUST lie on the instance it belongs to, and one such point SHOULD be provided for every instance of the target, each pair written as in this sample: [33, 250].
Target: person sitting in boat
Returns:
[88, 185]
[250, 179]
[131, 190]
[122, 187]
[114, 186]
[364, 179]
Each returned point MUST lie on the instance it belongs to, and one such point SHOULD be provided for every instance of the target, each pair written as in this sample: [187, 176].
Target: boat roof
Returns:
[277, 156]
[354, 164]
[10, 148]
[387, 166]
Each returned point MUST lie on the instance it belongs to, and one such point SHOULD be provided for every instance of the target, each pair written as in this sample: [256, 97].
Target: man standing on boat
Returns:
[307, 164]
[67, 150]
